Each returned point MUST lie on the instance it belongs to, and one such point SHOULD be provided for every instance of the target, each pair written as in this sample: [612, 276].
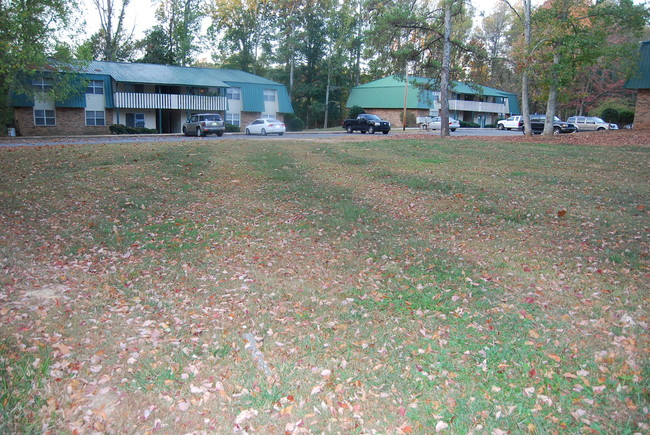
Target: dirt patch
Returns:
[47, 292]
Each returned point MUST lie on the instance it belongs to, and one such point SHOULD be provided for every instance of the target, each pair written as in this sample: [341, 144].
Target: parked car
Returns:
[537, 125]
[507, 124]
[266, 126]
[589, 123]
[202, 124]
[434, 124]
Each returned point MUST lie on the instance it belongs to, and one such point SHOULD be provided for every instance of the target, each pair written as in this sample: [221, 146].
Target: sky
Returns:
[141, 14]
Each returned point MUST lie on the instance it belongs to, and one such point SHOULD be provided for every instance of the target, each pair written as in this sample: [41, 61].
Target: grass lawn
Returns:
[348, 285]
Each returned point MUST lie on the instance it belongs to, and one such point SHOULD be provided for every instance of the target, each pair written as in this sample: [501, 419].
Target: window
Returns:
[268, 116]
[234, 119]
[135, 119]
[42, 84]
[44, 117]
[95, 87]
[269, 94]
[233, 93]
[95, 117]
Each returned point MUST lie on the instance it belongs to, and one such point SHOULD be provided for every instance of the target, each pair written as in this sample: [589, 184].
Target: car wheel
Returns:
[280, 134]
[185, 133]
[363, 131]
[500, 127]
[385, 132]
[220, 133]
[263, 132]
[371, 130]
[248, 132]
[349, 129]
[600, 129]
[556, 130]
[452, 129]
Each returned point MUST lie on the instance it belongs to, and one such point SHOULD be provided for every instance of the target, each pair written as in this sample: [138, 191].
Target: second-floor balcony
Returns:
[475, 106]
[134, 100]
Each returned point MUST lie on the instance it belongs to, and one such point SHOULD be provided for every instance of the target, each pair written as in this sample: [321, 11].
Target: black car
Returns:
[537, 125]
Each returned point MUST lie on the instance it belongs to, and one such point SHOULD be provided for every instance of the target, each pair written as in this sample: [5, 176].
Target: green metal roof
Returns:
[642, 80]
[389, 93]
[156, 74]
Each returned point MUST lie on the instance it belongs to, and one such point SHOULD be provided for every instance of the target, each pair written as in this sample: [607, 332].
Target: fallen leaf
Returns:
[554, 357]
[245, 415]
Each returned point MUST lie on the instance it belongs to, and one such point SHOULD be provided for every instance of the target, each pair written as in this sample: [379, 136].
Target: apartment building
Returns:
[160, 97]
[467, 102]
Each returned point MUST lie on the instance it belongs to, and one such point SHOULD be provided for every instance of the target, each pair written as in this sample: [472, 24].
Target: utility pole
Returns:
[406, 91]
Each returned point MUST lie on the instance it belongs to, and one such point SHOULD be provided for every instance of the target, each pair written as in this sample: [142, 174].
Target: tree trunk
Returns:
[551, 104]
[525, 109]
[327, 95]
[444, 77]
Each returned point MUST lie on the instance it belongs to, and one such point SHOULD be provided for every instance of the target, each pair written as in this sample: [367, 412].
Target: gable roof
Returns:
[389, 93]
[173, 75]
[642, 80]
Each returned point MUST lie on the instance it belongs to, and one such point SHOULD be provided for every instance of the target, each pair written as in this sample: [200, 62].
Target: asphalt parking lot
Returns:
[83, 140]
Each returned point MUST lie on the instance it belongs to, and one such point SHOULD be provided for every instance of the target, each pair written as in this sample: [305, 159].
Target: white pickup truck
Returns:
[507, 124]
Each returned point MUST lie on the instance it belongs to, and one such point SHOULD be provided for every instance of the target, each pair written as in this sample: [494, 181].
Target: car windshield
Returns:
[213, 118]
[597, 120]
[373, 117]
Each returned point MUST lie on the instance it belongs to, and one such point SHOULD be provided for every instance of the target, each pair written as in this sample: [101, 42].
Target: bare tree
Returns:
[113, 39]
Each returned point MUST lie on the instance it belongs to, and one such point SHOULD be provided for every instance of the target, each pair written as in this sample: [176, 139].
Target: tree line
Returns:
[562, 56]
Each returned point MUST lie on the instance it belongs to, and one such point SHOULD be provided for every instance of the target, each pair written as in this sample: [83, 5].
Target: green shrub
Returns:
[117, 129]
[295, 124]
[231, 128]
[356, 111]
[610, 115]
[626, 117]
[125, 129]
[469, 124]
[490, 126]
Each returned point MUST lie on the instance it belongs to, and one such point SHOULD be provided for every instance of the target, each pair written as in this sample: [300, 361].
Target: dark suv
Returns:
[537, 125]
[201, 124]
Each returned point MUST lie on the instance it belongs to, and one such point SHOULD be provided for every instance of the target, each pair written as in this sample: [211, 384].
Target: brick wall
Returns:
[396, 116]
[69, 121]
[248, 117]
[642, 111]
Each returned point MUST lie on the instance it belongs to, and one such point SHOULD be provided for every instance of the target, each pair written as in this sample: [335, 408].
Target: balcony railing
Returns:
[475, 106]
[134, 100]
